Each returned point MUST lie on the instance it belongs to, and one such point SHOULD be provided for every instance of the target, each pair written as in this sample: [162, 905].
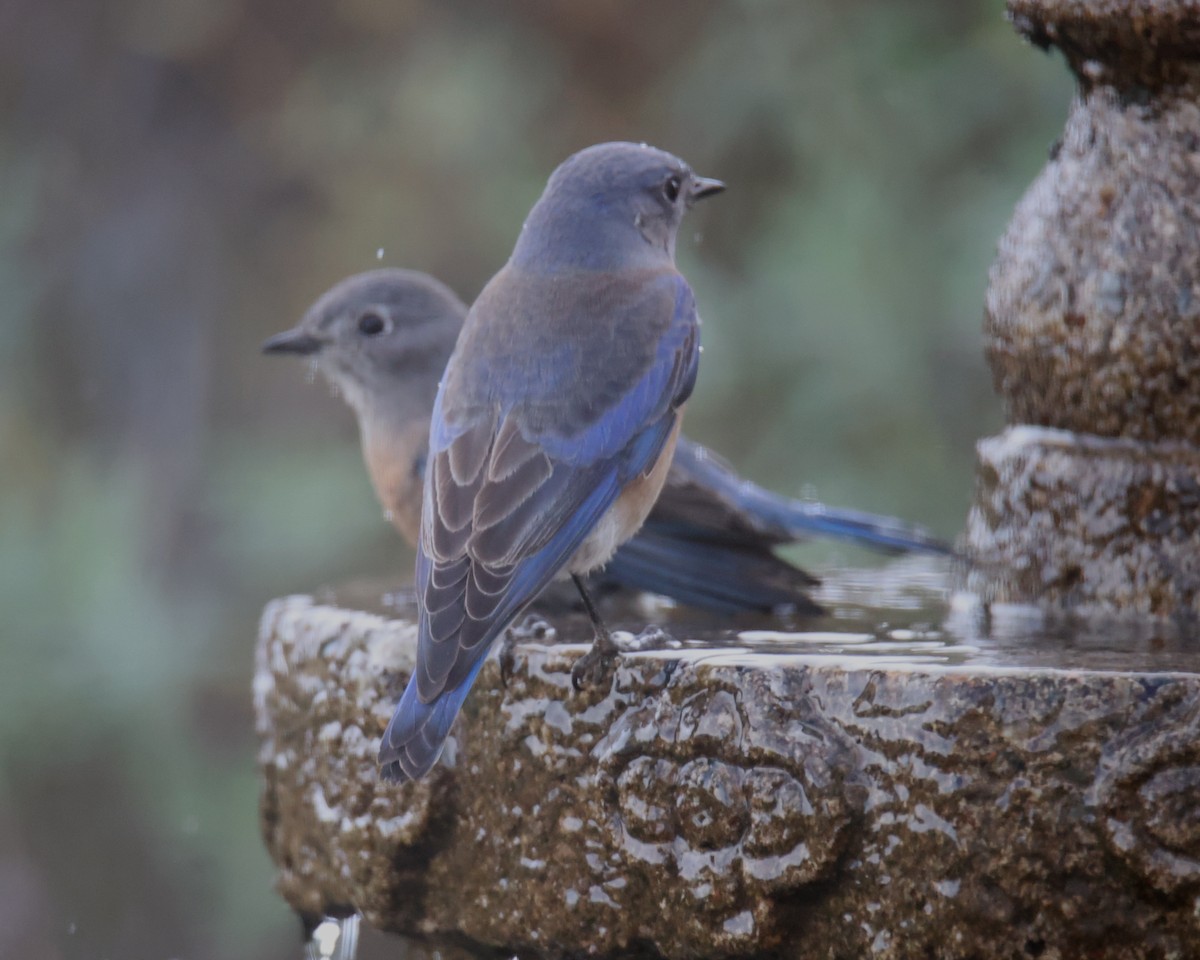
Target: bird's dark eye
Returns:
[671, 188]
[369, 324]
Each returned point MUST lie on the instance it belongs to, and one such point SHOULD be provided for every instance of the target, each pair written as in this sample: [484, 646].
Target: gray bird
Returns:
[383, 338]
[554, 423]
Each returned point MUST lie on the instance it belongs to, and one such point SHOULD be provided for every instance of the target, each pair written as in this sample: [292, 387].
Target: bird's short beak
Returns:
[292, 341]
[705, 187]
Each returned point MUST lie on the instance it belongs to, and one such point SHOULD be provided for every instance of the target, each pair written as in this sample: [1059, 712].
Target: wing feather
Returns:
[511, 505]
[470, 450]
[511, 451]
[501, 495]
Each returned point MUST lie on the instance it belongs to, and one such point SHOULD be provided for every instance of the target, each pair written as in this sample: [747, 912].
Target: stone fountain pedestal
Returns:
[712, 803]
[1093, 329]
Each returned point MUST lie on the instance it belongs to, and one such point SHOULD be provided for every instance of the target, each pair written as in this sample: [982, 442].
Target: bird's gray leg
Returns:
[593, 665]
[508, 657]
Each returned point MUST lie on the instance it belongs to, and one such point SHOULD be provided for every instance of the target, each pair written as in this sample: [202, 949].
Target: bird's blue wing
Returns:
[505, 509]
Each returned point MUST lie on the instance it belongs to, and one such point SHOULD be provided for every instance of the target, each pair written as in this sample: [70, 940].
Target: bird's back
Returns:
[561, 349]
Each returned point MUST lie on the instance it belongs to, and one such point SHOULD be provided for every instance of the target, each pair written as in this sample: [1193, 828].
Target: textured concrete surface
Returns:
[717, 803]
[1134, 42]
[1103, 526]
[1093, 305]
[1092, 324]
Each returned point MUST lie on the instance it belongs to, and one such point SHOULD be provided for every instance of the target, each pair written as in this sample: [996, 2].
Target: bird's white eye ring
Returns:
[671, 187]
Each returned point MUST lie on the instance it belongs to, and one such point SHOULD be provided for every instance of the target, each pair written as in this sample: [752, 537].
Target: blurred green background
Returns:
[180, 179]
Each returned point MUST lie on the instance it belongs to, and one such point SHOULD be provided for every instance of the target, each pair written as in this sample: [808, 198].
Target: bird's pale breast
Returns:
[627, 514]
[393, 459]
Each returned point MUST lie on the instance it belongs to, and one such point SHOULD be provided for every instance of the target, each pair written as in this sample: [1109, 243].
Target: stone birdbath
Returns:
[914, 776]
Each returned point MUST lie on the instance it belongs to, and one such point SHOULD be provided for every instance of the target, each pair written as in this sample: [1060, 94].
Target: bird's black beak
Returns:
[705, 187]
[292, 341]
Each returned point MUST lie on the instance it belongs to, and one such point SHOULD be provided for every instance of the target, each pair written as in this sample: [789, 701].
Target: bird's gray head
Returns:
[378, 333]
[611, 205]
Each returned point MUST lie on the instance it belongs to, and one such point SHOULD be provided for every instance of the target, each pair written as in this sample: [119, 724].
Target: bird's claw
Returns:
[532, 628]
[507, 658]
[593, 668]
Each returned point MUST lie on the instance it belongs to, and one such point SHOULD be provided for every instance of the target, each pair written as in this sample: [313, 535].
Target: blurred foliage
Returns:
[181, 179]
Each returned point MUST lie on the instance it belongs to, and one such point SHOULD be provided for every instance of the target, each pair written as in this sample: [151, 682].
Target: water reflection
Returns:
[903, 614]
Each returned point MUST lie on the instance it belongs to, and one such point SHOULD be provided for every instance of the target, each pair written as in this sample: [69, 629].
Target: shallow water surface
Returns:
[903, 614]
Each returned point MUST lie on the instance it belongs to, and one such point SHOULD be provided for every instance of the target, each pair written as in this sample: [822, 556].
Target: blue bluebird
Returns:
[554, 424]
[383, 339]
[383, 336]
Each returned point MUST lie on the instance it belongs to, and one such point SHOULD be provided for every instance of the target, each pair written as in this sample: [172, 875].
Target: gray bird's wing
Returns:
[507, 506]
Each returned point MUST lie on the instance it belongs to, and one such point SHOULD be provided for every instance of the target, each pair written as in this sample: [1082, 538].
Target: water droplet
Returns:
[334, 939]
[326, 937]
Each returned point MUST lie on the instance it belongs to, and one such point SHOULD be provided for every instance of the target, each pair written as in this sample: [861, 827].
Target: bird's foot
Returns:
[533, 628]
[507, 658]
[595, 666]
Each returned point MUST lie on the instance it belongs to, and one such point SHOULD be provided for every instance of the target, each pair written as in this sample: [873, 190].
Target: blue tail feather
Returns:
[424, 727]
[804, 519]
[706, 499]
[718, 577]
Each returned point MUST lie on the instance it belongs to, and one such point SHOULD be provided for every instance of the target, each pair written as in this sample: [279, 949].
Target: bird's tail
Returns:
[805, 518]
[710, 576]
[417, 731]
[712, 502]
